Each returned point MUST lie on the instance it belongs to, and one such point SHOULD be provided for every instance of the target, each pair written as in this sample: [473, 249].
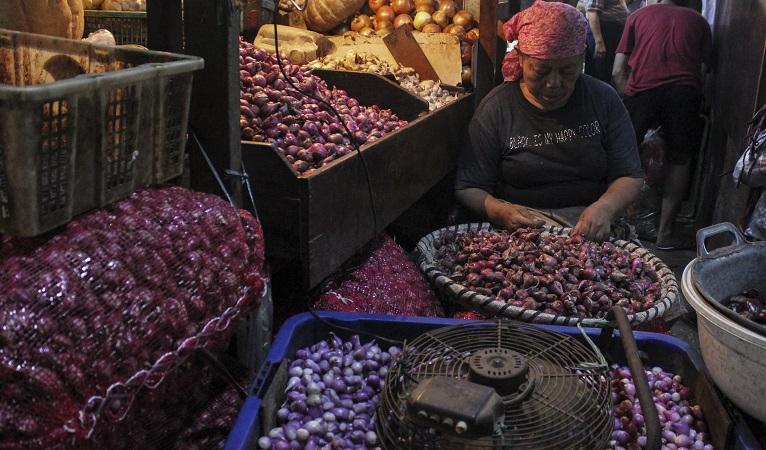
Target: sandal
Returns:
[673, 245]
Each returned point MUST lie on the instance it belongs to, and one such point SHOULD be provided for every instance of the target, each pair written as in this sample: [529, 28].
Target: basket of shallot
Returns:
[544, 275]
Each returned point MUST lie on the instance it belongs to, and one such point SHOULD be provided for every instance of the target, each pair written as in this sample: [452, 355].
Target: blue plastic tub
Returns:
[267, 392]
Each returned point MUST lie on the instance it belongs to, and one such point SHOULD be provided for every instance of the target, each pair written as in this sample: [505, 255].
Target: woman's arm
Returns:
[499, 212]
[624, 174]
[598, 36]
[620, 68]
[596, 221]
[620, 72]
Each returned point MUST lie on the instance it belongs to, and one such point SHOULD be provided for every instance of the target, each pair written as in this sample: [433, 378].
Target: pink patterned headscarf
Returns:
[545, 30]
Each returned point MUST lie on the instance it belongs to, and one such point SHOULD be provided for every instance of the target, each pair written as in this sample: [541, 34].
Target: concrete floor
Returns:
[681, 317]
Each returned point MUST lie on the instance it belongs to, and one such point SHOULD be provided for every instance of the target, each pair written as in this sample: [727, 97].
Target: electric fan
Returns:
[493, 385]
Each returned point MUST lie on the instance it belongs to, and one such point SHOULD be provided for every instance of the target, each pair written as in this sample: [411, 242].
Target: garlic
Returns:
[287, 5]
[429, 90]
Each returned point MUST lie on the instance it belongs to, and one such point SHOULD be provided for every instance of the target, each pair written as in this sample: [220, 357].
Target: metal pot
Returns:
[734, 353]
[729, 271]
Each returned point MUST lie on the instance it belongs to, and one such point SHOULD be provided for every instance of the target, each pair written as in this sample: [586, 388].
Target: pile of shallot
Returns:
[306, 131]
[750, 304]
[683, 426]
[563, 275]
[332, 393]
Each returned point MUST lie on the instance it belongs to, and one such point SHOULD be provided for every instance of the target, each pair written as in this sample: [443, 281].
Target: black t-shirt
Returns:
[549, 159]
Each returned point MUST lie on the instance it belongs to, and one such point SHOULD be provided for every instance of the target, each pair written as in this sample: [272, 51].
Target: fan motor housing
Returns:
[499, 368]
[456, 406]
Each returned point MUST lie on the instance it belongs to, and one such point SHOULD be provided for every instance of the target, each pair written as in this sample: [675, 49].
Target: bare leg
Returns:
[673, 193]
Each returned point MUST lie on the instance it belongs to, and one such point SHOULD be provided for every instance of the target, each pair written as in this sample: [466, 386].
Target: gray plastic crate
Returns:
[82, 126]
[128, 27]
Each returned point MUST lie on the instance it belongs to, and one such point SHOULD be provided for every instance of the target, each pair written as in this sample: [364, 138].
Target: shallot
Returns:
[749, 304]
[563, 275]
[332, 392]
[682, 422]
[120, 292]
[273, 111]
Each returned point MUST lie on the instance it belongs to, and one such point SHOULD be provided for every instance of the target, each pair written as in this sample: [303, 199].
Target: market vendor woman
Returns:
[550, 137]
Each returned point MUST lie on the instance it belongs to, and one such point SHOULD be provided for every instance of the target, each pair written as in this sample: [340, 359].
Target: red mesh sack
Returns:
[194, 408]
[386, 282]
[210, 426]
[469, 315]
[111, 305]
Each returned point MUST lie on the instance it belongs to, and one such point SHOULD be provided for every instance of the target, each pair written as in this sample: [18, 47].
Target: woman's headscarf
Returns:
[545, 30]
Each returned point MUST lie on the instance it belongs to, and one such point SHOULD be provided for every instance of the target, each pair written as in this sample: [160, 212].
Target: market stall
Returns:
[212, 219]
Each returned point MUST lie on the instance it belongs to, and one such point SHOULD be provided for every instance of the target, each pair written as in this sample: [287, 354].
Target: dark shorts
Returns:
[677, 110]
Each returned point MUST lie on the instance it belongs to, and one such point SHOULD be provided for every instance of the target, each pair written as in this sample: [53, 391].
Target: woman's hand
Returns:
[600, 49]
[595, 222]
[510, 215]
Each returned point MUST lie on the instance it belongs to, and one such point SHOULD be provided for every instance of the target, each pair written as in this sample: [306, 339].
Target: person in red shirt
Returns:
[661, 60]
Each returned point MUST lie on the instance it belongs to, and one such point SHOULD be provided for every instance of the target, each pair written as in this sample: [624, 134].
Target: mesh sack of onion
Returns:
[200, 417]
[386, 281]
[101, 312]
[544, 275]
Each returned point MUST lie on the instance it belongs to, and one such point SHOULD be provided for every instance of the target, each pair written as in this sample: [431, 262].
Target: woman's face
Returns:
[548, 83]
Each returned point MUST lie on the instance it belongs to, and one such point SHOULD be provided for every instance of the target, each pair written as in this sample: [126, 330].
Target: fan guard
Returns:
[567, 407]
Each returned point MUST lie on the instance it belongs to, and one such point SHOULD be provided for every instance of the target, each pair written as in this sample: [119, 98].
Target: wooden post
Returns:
[165, 25]
[212, 31]
[485, 61]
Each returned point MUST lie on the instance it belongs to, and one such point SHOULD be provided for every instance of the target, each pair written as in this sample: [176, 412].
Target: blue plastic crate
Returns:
[304, 330]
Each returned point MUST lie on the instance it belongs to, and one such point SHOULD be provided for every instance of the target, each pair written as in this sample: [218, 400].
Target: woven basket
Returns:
[426, 259]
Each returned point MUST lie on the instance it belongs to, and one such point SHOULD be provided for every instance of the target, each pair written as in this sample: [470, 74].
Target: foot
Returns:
[670, 243]
[664, 238]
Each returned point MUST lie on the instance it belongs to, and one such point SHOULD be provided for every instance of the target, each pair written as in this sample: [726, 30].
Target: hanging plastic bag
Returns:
[101, 37]
[751, 166]
[755, 226]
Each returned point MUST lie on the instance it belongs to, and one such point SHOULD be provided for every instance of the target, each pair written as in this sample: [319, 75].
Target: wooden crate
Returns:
[322, 219]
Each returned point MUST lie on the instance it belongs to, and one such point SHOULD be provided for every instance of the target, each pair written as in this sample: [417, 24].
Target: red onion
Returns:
[110, 294]
[267, 101]
[679, 429]
[549, 273]
[318, 152]
[330, 402]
